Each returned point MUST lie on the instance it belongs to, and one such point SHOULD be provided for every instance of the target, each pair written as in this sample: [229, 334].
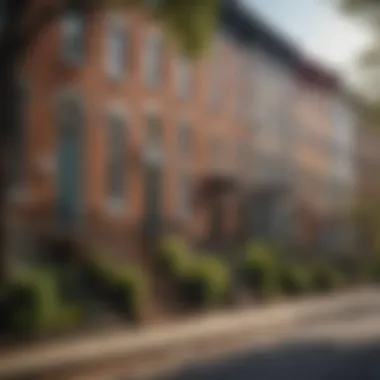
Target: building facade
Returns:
[123, 139]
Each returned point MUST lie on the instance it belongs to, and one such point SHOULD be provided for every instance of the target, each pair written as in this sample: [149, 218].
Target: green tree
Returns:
[189, 24]
[367, 13]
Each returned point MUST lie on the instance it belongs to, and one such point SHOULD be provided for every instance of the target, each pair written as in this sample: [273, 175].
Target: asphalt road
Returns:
[345, 346]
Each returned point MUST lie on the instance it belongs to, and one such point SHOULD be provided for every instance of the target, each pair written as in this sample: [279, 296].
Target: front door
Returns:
[69, 164]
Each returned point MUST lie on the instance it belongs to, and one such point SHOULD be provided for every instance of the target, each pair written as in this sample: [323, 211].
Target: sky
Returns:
[318, 28]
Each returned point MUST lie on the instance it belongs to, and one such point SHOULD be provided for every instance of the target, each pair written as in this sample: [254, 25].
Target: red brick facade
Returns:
[220, 131]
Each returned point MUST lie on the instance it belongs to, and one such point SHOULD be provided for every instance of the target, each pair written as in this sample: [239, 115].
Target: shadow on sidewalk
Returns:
[292, 361]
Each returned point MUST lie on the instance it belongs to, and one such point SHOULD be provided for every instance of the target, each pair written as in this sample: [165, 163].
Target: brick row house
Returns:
[123, 139]
[325, 154]
[368, 183]
[368, 163]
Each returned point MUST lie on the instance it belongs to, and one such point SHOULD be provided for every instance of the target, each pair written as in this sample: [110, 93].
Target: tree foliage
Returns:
[189, 23]
[367, 12]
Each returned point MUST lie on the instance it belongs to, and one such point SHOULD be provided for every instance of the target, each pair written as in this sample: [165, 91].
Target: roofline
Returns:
[251, 30]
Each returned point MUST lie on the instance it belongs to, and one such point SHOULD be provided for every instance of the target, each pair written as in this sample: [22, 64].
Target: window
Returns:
[184, 78]
[73, 37]
[153, 146]
[116, 48]
[153, 59]
[116, 160]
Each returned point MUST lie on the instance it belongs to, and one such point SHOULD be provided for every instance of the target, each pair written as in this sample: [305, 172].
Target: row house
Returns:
[272, 78]
[339, 232]
[123, 139]
[368, 184]
[325, 152]
[368, 164]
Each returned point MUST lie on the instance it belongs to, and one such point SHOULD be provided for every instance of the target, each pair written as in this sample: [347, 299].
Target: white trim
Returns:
[115, 206]
[118, 109]
[116, 20]
[153, 155]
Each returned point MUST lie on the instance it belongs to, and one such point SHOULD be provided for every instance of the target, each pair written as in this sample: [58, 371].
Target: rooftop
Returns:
[249, 30]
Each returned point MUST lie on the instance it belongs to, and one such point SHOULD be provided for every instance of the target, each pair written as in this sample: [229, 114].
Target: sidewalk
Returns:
[125, 343]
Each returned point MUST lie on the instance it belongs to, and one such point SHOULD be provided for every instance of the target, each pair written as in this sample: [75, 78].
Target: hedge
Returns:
[295, 279]
[32, 305]
[123, 288]
[260, 271]
[205, 283]
[172, 257]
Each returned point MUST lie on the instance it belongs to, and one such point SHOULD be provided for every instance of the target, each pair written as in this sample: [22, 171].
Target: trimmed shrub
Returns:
[260, 271]
[205, 284]
[33, 306]
[123, 288]
[172, 257]
[295, 279]
[128, 291]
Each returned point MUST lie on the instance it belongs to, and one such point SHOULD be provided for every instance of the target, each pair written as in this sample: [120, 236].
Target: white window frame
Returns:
[116, 22]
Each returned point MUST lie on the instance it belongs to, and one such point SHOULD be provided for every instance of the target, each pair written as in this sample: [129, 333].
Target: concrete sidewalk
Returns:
[46, 357]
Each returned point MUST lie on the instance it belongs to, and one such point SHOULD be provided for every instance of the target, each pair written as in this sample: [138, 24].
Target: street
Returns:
[331, 337]
[345, 346]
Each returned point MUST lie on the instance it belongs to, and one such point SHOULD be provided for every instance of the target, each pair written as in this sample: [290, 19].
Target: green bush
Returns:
[205, 283]
[123, 288]
[260, 270]
[33, 306]
[172, 257]
[295, 279]
[128, 291]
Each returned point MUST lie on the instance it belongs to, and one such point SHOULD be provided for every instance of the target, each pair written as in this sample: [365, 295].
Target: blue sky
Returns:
[318, 28]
